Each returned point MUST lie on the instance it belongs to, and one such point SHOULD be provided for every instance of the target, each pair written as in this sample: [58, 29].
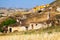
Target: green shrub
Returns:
[8, 22]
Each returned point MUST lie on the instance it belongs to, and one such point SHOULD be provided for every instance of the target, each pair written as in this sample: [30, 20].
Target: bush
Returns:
[8, 22]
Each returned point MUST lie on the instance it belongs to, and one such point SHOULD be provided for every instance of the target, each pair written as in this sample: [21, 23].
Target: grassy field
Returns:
[42, 36]
[51, 33]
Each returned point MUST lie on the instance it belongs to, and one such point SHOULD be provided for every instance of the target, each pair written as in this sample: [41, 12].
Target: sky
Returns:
[23, 3]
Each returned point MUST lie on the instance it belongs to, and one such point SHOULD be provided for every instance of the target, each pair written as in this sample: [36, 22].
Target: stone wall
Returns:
[17, 28]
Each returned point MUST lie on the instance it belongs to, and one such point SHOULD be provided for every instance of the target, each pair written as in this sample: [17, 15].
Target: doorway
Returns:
[10, 29]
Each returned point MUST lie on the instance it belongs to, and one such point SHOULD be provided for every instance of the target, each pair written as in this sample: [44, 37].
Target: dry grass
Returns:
[42, 36]
[51, 33]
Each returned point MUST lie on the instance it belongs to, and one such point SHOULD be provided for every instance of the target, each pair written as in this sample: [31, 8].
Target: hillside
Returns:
[57, 3]
[49, 33]
[40, 17]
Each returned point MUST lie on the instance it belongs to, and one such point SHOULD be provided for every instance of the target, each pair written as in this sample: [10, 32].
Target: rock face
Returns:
[56, 2]
[58, 9]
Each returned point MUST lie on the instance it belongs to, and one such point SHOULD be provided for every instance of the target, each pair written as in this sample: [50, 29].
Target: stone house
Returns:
[39, 25]
[16, 28]
[32, 25]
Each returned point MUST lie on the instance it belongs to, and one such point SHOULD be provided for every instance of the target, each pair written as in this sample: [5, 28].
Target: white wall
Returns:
[38, 26]
[58, 9]
[18, 28]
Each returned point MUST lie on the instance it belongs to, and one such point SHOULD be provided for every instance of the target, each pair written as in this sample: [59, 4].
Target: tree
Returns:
[9, 21]
[6, 23]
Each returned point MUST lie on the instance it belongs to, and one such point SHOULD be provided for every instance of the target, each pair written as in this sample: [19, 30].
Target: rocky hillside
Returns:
[57, 3]
[44, 14]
